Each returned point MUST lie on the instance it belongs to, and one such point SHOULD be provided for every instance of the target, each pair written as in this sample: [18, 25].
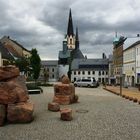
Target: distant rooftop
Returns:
[129, 41]
[89, 63]
[49, 62]
[5, 53]
[8, 38]
[133, 45]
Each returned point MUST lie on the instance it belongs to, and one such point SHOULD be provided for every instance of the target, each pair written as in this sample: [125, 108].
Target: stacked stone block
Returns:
[64, 92]
[14, 104]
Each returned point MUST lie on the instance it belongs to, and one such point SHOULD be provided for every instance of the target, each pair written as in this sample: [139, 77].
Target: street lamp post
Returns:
[121, 80]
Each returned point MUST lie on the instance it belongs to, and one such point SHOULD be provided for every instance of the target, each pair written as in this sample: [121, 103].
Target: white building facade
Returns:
[90, 68]
[137, 62]
[100, 76]
[51, 66]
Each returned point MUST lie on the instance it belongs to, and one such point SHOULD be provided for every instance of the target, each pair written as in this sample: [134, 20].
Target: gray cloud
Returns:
[43, 24]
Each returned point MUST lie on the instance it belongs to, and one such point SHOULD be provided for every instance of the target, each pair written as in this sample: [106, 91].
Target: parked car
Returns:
[91, 82]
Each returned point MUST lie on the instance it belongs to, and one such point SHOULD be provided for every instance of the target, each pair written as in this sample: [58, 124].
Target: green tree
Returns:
[35, 63]
[22, 64]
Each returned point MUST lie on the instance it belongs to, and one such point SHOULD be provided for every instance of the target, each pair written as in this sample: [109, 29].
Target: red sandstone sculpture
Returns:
[66, 114]
[64, 92]
[14, 97]
[53, 107]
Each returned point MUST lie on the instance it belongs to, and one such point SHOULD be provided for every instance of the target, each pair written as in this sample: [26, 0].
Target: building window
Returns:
[106, 72]
[48, 69]
[102, 72]
[74, 72]
[88, 72]
[78, 72]
[99, 72]
[83, 72]
[93, 79]
[103, 80]
[106, 80]
[53, 76]
[93, 72]
[52, 69]
[99, 79]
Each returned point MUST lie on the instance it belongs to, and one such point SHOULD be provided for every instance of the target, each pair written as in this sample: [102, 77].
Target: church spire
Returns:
[77, 39]
[70, 25]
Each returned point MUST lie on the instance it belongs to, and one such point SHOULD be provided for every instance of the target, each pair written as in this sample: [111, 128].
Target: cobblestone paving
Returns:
[109, 117]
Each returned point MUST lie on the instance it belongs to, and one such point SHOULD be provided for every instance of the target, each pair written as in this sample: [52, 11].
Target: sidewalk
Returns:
[128, 93]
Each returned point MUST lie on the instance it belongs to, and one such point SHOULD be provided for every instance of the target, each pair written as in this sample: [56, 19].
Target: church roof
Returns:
[77, 54]
[70, 25]
[64, 55]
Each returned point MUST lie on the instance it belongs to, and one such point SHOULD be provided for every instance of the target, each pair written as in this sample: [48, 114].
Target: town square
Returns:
[69, 70]
[102, 115]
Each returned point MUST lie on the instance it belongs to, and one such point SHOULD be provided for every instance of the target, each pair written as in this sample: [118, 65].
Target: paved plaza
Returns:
[102, 116]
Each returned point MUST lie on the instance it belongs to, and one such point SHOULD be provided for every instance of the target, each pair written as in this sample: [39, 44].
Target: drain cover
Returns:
[81, 111]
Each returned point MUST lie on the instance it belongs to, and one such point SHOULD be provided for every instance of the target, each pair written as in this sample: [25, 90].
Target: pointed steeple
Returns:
[70, 25]
[77, 36]
[77, 39]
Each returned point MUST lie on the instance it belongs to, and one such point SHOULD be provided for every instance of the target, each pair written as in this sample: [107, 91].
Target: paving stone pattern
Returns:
[109, 117]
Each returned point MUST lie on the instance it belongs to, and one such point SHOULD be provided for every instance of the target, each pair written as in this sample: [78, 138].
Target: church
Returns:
[72, 62]
[70, 50]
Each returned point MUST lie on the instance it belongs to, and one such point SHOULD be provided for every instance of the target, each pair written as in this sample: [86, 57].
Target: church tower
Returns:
[77, 39]
[70, 51]
[70, 34]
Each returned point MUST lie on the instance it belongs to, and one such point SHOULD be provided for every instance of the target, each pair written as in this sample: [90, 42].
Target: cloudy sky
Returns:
[42, 24]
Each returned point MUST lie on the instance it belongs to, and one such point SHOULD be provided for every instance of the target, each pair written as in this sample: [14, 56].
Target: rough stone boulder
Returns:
[65, 79]
[20, 112]
[53, 106]
[62, 99]
[64, 89]
[12, 93]
[8, 72]
[19, 81]
[2, 114]
[66, 114]
[64, 92]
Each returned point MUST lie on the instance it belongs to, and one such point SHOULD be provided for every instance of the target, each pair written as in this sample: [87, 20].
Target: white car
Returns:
[91, 82]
